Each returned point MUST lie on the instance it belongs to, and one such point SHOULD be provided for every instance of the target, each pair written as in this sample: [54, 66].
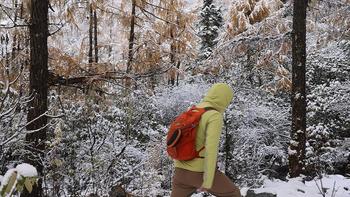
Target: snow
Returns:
[22, 170]
[256, 120]
[26, 170]
[291, 152]
[6, 177]
[300, 131]
[296, 188]
[294, 143]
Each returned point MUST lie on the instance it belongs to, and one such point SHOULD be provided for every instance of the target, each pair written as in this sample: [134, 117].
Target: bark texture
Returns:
[298, 133]
[38, 85]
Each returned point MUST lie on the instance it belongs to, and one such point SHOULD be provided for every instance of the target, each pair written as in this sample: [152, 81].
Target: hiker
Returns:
[201, 174]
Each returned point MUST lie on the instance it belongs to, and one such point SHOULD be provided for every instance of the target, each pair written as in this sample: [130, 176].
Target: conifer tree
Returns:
[210, 22]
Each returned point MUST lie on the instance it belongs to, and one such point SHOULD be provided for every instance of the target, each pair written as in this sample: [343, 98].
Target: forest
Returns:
[88, 89]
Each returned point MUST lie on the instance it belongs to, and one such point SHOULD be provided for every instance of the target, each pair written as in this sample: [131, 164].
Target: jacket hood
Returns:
[219, 96]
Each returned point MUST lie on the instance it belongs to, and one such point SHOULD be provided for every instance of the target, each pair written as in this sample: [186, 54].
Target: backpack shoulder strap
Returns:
[210, 108]
[206, 109]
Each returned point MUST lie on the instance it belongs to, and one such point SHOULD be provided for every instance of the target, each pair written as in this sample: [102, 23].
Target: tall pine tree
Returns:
[210, 22]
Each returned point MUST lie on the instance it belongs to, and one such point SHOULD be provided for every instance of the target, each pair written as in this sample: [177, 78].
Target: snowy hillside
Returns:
[117, 73]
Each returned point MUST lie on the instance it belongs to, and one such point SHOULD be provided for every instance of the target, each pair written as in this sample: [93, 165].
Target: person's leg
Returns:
[223, 186]
[185, 182]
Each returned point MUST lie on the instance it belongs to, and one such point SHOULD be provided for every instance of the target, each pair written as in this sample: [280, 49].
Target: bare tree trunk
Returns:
[298, 134]
[177, 74]
[178, 59]
[90, 35]
[14, 42]
[172, 49]
[131, 37]
[172, 57]
[95, 37]
[38, 85]
[227, 148]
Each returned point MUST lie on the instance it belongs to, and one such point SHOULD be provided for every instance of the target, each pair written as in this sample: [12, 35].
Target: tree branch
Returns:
[115, 158]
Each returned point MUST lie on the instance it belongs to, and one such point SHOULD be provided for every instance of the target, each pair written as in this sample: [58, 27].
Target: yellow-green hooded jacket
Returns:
[218, 97]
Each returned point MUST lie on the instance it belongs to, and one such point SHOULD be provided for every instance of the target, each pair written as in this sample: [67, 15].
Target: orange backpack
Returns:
[181, 137]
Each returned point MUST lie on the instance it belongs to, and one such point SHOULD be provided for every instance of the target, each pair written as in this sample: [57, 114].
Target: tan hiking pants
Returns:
[186, 182]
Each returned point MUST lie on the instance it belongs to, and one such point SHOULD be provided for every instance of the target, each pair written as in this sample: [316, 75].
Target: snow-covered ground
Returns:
[336, 184]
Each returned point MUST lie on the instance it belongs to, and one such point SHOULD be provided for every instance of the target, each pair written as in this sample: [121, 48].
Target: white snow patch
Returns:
[292, 152]
[26, 170]
[294, 143]
[300, 131]
[295, 187]
[6, 177]
[22, 170]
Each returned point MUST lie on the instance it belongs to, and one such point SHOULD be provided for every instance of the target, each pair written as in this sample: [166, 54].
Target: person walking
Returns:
[201, 174]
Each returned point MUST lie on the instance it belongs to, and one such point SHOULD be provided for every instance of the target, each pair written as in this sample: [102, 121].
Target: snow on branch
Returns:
[23, 176]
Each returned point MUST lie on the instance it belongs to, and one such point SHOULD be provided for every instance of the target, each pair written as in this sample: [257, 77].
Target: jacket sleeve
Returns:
[213, 132]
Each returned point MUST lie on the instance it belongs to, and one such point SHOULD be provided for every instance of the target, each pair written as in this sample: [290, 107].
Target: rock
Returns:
[251, 193]
[118, 191]
[93, 195]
